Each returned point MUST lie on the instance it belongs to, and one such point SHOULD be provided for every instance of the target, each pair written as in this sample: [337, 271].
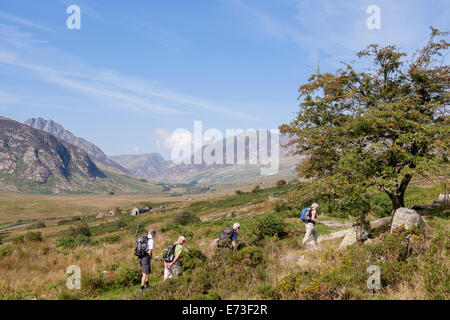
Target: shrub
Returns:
[111, 239]
[136, 228]
[281, 183]
[192, 258]
[127, 274]
[74, 241]
[81, 230]
[249, 257]
[6, 251]
[185, 217]
[32, 236]
[18, 239]
[266, 226]
[170, 227]
[238, 192]
[281, 206]
[256, 188]
[121, 223]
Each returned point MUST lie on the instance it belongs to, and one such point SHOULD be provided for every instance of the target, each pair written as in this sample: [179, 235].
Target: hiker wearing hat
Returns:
[171, 256]
[229, 237]
[144, 251]
[309, 215]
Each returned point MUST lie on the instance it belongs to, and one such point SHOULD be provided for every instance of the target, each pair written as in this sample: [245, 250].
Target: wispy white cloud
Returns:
[333, 31]
[24, 22]
[18, 49]
[155, 33]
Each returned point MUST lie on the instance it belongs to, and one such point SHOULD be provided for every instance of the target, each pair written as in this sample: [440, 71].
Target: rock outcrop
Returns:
[355, 234]
[407, 218]
[57, 130]
[31, 158]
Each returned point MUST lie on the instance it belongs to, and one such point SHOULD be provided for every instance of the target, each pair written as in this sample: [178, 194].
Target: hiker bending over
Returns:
[309, 216]
[229, 237]
[171, 256]
[144, 251]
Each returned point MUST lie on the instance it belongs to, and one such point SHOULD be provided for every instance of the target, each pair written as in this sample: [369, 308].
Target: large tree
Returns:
[379, 127]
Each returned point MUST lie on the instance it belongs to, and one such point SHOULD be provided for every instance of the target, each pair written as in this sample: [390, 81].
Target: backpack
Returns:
[226, 237]
[141, 246]
[306, 215]
[169, 252]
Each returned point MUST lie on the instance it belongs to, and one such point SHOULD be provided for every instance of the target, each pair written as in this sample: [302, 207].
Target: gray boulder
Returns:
[407, 218]
[354, 235]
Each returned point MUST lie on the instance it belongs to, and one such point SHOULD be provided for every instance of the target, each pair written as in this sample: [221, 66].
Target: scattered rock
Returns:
[354, 235]
[332, 223]
[159, 209]
[334, 235]
[274, 196]
[383, 222]
[407, 218]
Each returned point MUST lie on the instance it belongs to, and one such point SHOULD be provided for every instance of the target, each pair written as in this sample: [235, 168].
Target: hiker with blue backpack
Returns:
[171, 256]
[144, 250]
[309, 216]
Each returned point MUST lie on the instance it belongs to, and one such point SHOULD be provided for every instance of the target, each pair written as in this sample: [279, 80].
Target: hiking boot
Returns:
[146, 285]
[143, 289]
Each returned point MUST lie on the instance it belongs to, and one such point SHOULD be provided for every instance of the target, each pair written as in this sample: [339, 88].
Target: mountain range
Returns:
[36, 161]
[42, 156]
[57, 130]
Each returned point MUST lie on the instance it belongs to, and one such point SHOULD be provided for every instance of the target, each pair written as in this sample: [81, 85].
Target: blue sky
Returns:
[137, 70]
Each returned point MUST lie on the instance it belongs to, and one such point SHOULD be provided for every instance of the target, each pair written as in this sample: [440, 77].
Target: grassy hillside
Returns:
[270, 265]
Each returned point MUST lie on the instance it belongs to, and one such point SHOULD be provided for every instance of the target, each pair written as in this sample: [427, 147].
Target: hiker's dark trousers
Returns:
[145, 263]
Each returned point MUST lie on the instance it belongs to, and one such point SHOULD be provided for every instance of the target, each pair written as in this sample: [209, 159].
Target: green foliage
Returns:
[119, 276]
[225, 270]
[170, 227]
[249, 257]
[136, 227]
[345, 278]
[32, 236]
[280, 206]
[18, 239]
[192, 258]
[75, 241]
[82, 230]
[265, 227]
[6, 251]
[238, 192]
[184, 218]
[376, 129]
[110, 239]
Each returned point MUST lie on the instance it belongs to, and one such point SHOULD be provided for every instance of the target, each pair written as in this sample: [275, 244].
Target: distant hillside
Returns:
[229, 174]
[154, 167]
[35, 161]
[146, 166]
[94, 152]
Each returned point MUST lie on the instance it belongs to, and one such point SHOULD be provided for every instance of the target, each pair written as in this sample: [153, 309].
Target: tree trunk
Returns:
[398, 197]
[398, 201]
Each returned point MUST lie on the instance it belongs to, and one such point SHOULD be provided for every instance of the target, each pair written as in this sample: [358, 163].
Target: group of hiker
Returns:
[228, 239]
